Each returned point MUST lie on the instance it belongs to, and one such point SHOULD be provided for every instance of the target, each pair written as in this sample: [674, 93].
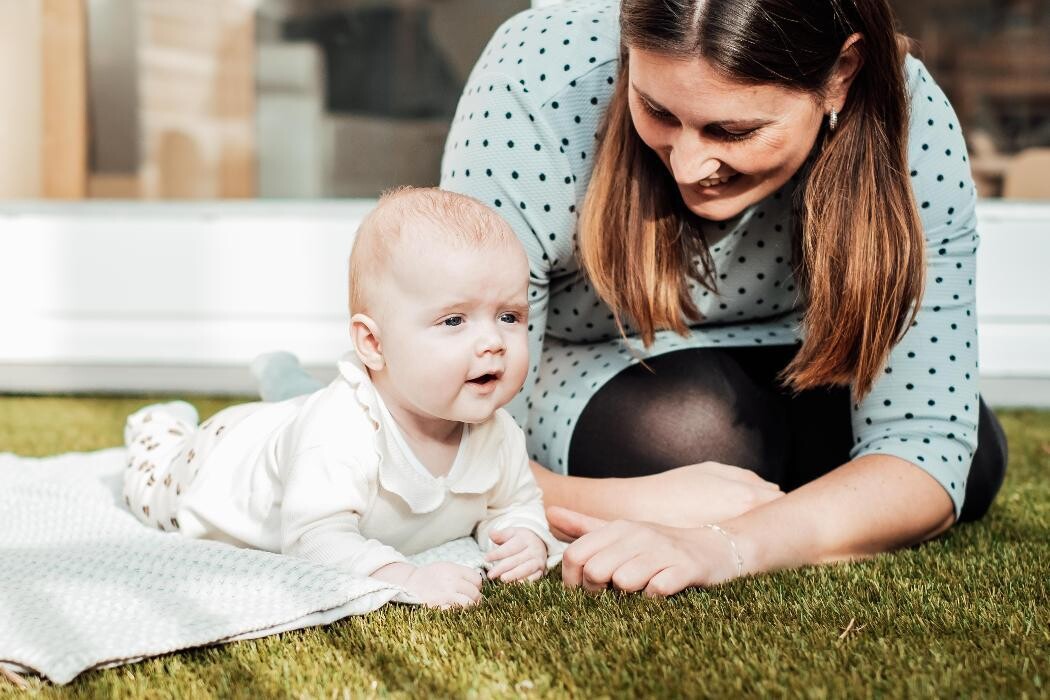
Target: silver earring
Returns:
[833, 120]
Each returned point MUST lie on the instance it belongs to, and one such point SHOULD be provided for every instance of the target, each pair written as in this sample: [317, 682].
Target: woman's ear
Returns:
[849, 63]
[364, 333]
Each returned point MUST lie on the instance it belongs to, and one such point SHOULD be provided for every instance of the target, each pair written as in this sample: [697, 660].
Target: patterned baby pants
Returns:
[164, 454]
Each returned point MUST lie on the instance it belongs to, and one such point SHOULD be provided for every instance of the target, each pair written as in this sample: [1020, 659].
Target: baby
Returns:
[406, 449]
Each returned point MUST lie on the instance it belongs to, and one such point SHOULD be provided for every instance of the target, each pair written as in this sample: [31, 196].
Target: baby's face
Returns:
[453, 329]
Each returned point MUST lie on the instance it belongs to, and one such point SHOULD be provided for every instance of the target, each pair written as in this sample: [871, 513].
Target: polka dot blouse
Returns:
[523, 141]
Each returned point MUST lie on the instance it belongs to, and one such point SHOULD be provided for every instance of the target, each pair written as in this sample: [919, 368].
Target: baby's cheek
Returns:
[519, 371]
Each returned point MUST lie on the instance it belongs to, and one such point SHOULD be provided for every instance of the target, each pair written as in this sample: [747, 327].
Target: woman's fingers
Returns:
[599, 569]
[759, 481]
[728, 471]
[661, 570]
[773, 494]
[579, 554]
[558, 534]
[634, 574]
[633, 557]
[667, 582]
[571, 523]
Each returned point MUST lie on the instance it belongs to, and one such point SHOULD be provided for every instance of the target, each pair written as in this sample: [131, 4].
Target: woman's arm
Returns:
[872, 504]
[684, 497]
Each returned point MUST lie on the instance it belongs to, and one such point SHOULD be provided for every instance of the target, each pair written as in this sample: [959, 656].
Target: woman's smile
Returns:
[716, 184]
[698, 121]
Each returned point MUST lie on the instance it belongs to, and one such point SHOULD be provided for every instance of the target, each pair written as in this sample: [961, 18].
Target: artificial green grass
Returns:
[965, 615]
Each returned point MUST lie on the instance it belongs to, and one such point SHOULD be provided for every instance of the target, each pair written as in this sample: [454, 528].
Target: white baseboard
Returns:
[179, 297]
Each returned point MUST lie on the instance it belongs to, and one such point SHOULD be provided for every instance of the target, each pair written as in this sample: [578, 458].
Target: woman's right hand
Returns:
[685, 497]
[708, 492]
[695, 494]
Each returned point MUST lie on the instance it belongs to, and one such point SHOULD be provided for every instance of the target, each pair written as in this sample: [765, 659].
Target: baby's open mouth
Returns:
[484, 379]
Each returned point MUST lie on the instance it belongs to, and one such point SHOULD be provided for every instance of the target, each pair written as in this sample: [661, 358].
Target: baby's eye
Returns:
[509, 317]
[453, 321]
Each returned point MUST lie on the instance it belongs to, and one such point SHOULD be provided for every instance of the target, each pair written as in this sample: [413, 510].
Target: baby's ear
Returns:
[364, 333]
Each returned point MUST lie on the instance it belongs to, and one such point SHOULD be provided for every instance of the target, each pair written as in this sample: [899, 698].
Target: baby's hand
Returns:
[521, 555]
[438, 585]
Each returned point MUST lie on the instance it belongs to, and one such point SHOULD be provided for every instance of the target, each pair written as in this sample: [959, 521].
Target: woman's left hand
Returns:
[637, 556]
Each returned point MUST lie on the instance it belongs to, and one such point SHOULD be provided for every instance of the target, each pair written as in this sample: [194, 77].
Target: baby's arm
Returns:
[325, 496]
[514, 533]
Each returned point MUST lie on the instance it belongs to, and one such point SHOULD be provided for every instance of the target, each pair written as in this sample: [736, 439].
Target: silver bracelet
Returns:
[732, 543]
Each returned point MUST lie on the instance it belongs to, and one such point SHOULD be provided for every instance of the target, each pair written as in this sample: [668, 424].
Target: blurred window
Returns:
[354, 97]
[346, 98]
[992, 58]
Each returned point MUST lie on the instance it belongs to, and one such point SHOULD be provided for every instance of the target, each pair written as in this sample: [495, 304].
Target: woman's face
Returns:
[727, 144]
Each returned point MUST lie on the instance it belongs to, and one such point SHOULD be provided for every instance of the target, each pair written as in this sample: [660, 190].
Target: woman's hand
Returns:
[637, 556]
[701, 493]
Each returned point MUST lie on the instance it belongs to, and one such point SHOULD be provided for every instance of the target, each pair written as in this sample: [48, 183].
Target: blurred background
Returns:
[180, 180]
[207, 99]
[212, 99]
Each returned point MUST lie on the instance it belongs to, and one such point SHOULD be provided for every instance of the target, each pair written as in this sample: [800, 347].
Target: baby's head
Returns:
[439, 304]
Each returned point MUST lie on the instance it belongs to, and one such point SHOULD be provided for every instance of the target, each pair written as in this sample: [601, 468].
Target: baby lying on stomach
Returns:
[406, 449]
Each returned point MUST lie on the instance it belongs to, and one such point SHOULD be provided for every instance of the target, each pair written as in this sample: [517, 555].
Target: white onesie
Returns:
[327, 477]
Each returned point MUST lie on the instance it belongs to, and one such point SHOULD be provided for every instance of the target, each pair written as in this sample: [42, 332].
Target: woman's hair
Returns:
[859, 250]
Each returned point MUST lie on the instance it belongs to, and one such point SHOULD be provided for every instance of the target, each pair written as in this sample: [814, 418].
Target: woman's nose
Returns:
[691, 162]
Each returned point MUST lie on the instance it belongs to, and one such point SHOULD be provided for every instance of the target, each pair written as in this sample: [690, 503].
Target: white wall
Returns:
[134, 296]
[179, 297]
[1013, 302]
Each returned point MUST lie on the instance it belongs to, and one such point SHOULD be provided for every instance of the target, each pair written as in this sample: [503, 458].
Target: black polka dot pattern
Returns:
[523, 142]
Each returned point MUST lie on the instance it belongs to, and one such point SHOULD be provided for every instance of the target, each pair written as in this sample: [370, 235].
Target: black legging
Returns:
[725, 405]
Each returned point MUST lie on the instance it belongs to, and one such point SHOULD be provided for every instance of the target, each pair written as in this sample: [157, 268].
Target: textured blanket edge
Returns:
[365, 596]
[377, 598]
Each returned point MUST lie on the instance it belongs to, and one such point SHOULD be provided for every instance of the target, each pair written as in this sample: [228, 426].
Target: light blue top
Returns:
[523, 141]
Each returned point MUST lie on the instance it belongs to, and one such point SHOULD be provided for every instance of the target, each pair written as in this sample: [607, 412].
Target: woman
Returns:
[699, 185]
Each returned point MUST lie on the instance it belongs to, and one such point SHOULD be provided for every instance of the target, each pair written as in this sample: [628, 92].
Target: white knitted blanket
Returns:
[84, 585]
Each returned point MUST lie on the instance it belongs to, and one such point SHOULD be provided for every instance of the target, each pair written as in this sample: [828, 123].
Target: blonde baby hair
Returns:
[420, 215]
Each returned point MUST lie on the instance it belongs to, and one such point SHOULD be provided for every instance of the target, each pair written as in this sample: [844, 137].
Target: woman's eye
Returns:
[726, 134]
[655, 113]
[453, 321]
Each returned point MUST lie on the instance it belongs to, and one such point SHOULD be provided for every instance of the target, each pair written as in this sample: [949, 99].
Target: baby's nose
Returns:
[490, 342]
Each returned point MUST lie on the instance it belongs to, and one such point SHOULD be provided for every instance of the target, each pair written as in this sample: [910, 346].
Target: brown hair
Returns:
[859, 258]
[426, 213]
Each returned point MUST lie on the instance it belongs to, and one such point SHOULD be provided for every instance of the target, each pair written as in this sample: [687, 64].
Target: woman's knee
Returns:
[988, 468]
[689, 406]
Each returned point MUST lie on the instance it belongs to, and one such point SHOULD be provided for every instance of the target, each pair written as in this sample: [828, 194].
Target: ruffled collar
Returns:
[475, 472]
